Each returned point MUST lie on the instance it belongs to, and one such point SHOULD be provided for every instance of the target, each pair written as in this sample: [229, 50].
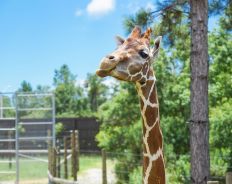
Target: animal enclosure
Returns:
[25, 140]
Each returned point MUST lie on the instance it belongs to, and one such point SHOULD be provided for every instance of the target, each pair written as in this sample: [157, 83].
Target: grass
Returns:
[88, 162]
[38, 170]
[27, 170]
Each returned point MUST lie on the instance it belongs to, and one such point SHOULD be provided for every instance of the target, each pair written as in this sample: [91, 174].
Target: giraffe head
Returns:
[132, 59]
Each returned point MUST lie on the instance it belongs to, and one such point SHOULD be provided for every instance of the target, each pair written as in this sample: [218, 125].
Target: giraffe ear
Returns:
[119, 40]
[155, 49]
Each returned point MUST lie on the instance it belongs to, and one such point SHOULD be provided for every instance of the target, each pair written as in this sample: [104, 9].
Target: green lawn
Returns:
[38, 170]
[28, 170]
[87, 162]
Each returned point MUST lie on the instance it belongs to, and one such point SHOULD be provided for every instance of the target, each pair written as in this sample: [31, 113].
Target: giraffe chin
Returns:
[102, 73]
[118, 75]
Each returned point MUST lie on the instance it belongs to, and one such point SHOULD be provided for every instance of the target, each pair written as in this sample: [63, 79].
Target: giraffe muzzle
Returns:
[104, 73]
[108, 64]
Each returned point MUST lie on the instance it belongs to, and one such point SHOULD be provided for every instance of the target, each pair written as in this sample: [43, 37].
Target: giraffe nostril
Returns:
[110, 57]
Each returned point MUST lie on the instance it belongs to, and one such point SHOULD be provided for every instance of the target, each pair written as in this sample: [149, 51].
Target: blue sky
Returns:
[38, 36]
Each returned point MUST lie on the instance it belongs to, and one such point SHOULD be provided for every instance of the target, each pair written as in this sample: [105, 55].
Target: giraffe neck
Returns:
[153, 161]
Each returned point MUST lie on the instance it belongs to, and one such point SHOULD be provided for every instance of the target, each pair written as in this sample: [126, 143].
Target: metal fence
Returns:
[25, 140]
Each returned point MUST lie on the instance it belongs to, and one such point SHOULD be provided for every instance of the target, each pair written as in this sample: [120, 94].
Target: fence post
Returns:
[65, 158]
[104, 168]
[49, 152]
[74, 155]
[54, 162]
[9, 148]
[78, 150]
[229, 178]
[58, 159]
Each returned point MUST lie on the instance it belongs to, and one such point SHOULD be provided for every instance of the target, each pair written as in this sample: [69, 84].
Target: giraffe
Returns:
[132, 62]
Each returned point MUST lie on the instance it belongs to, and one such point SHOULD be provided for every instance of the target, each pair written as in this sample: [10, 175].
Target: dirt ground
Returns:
[94, 176]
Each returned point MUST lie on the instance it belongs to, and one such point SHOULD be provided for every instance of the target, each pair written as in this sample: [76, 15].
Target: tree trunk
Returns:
[199, 133]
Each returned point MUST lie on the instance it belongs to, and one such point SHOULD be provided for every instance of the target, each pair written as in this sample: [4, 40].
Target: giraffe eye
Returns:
[143, 54]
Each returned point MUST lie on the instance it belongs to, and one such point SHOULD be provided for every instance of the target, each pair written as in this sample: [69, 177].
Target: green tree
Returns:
[64, 76]
[5, 102]
[121, 129]
[96, 91]
[25, 87]
[69, 97]
[173, 83]
[220, 66]
[43, 89]
[23, 101]
[220, 92]
[172, 17]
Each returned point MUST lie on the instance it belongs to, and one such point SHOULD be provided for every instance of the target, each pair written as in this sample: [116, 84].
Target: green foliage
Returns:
[220, 88]
[178, 170]
[221, 125]
[126, 163]
[25, 87]
[63, 76]
[220, 93]
[226, 21]
[59, 127]
[42, 89]
[173, 91]
[21, 129]
[123, 108]
[6, 101]
[73, 100]
[121, 129]
[135, 176]
[173, 83]
[121, 138]
[142, 18]
[219, 162]
[97, 91]
[69, 97]
[172, 20]
[221, 132]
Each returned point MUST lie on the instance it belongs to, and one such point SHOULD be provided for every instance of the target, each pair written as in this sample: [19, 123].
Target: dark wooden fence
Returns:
[87, 128]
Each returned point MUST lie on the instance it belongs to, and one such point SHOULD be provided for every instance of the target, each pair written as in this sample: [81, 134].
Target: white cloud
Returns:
[79, 12]
[100, 7]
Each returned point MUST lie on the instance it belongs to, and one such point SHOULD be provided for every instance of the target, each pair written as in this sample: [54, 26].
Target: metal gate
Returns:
[25, 148]
[7, 138]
